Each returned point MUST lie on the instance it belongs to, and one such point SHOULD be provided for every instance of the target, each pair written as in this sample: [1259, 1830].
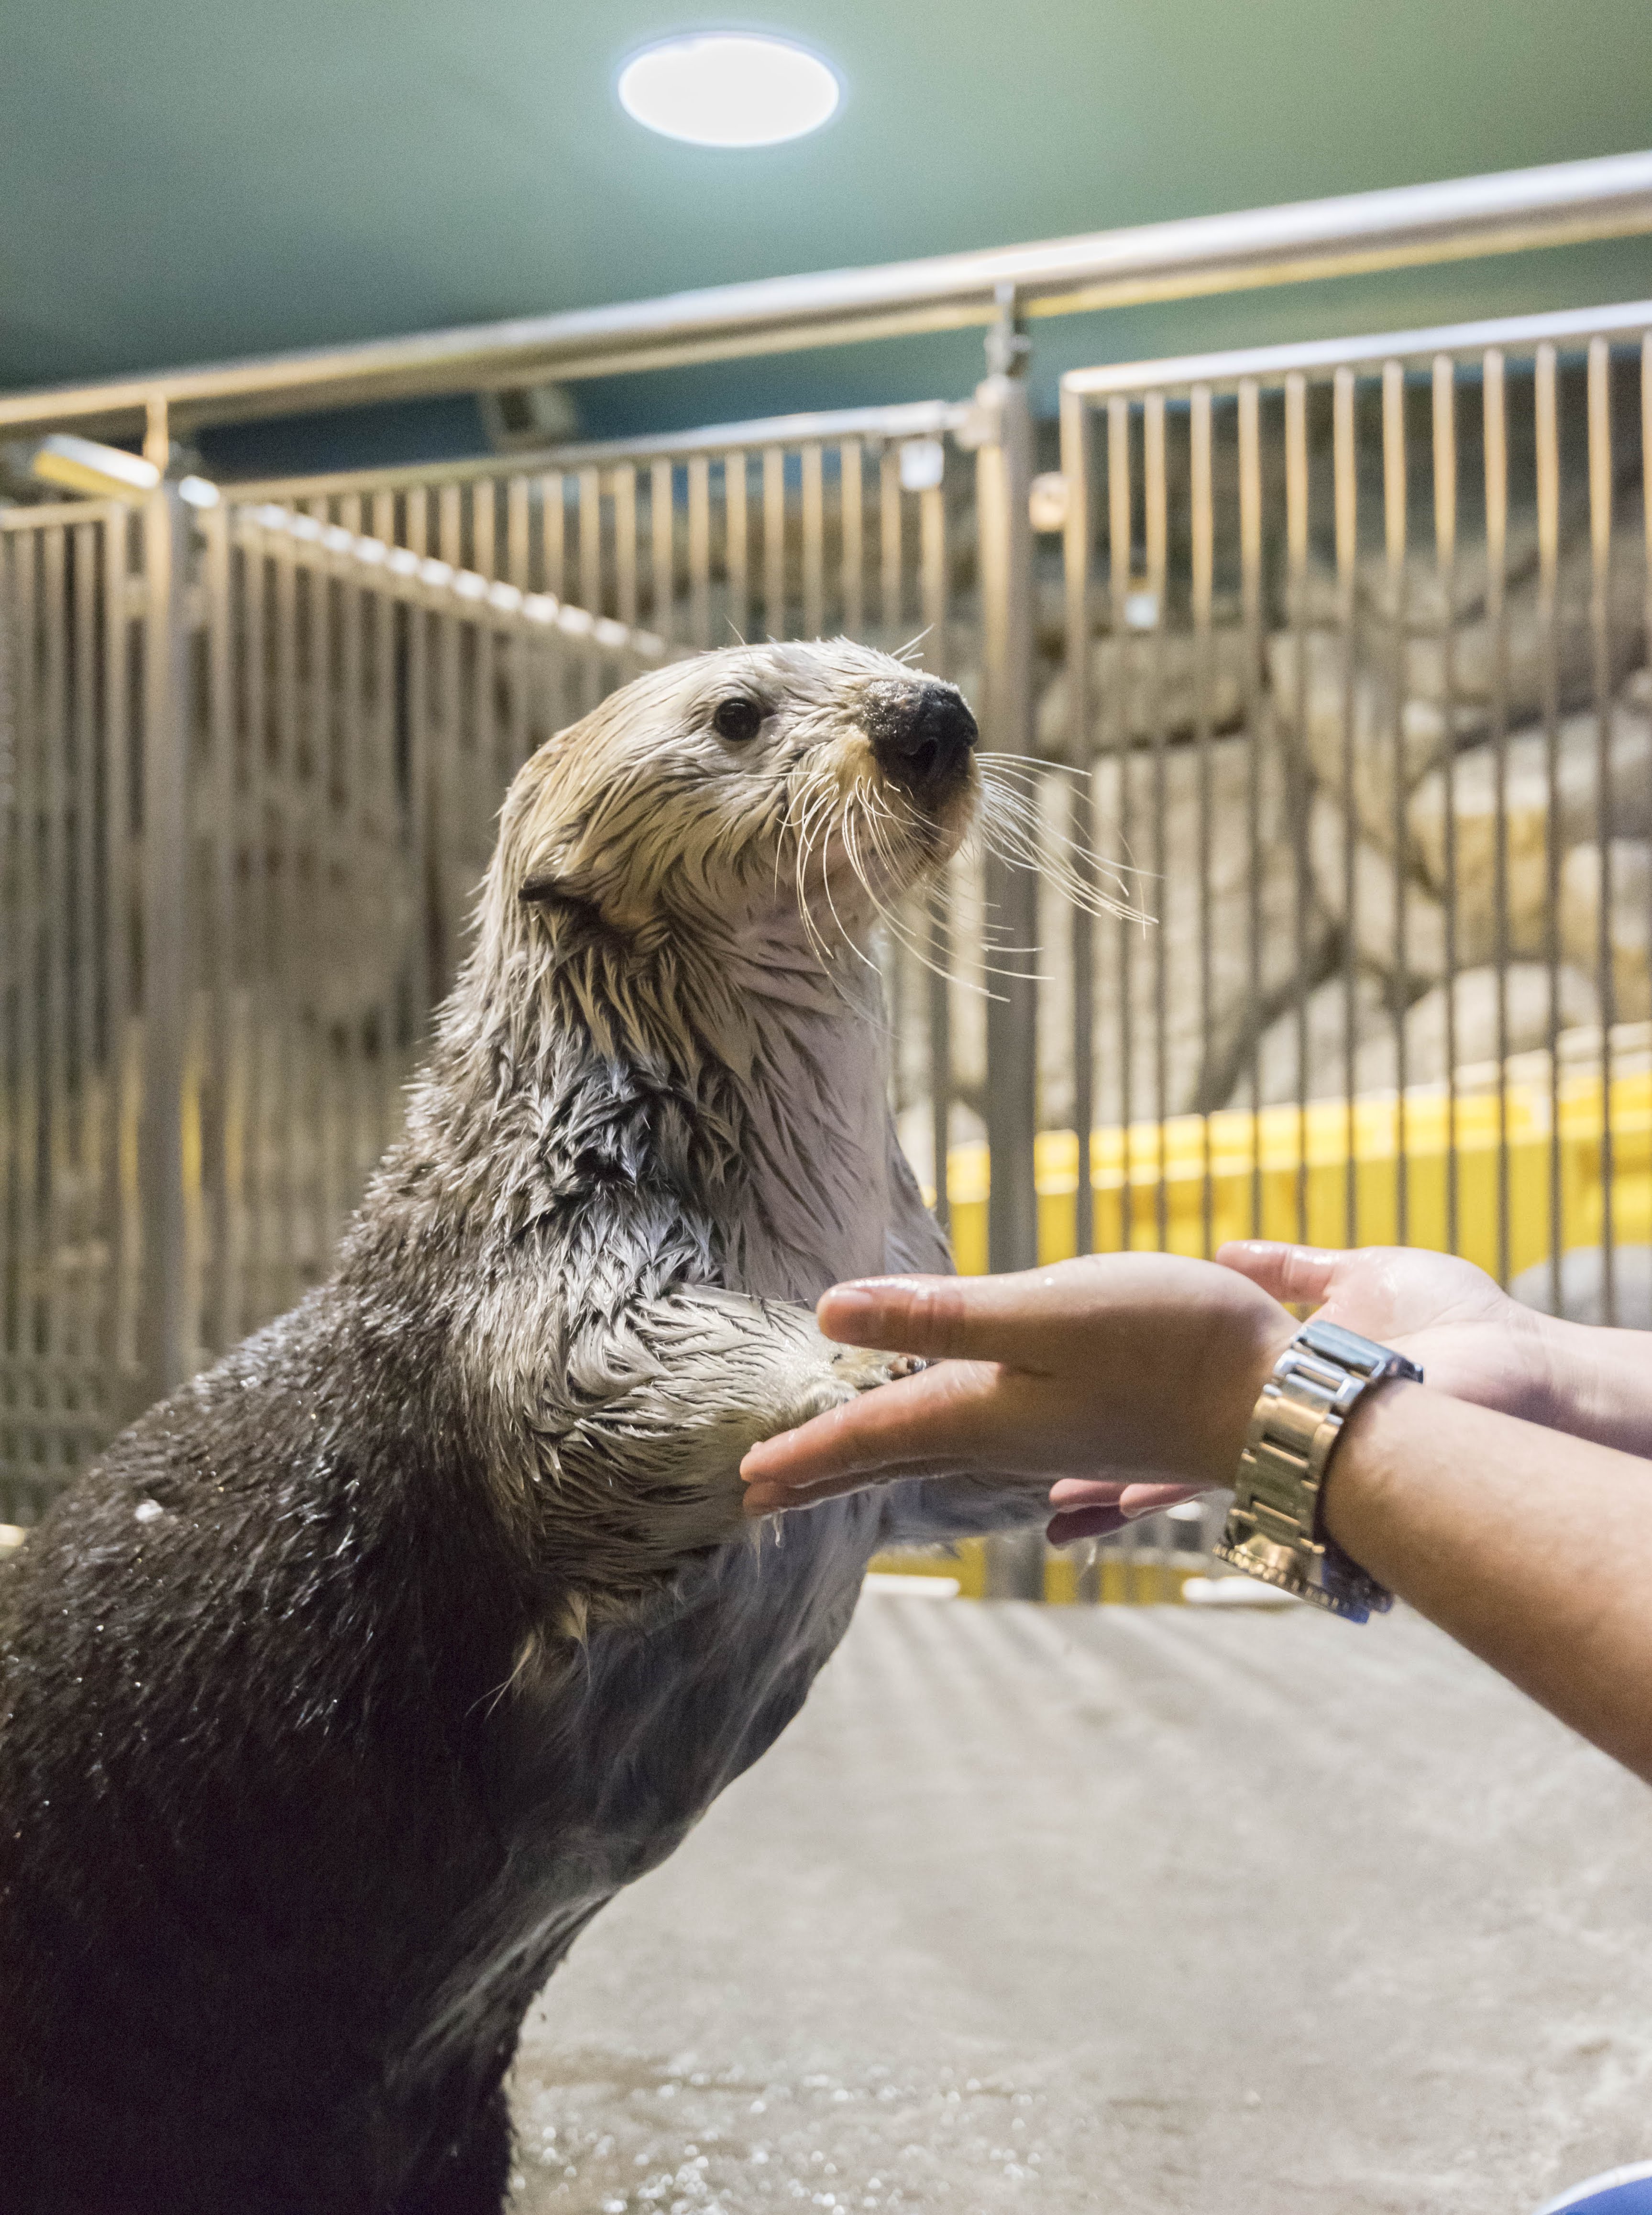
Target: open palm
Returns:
[1469, 1337]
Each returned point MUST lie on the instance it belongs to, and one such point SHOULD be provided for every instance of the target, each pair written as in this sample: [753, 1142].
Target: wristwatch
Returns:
[1272, 1530]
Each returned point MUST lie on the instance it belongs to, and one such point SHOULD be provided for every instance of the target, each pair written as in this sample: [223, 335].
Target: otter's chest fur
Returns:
[303, 1795]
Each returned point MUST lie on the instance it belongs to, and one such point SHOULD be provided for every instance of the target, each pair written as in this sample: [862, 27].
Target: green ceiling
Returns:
[184, 181]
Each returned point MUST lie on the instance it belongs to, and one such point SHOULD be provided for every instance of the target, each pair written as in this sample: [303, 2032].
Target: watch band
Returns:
[1272, 1530]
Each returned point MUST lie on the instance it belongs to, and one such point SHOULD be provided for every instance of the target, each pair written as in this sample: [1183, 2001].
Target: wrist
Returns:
[1231, 1406]
[1591, 1383]
[1550, 1354]
[1275, 1529]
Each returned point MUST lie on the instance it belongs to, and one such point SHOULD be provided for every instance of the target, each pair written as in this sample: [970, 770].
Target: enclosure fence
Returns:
[1314, 678]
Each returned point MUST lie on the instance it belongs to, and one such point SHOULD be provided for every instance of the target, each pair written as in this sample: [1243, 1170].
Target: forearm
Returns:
[1533, 1551]
[1600, 1384]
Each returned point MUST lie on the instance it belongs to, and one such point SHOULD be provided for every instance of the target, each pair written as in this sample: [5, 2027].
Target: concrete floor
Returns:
[1121, 1908]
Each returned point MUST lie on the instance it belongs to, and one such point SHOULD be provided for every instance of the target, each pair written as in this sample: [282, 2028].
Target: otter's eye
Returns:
[738, 719]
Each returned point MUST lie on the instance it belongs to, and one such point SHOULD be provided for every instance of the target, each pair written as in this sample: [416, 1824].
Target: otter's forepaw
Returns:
[862, 1367]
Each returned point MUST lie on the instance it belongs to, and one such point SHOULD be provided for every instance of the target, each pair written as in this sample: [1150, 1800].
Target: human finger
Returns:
[1298, 1275]
[1134, 1496]
[1087, 1491]
[1083, 1523]
[1006, 1318]
[1138, 1499]
[940, 1421]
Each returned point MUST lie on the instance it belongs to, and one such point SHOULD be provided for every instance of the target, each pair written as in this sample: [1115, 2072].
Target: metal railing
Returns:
[1356, 645]
[232, 744]
[248, 769]
[1458, 219]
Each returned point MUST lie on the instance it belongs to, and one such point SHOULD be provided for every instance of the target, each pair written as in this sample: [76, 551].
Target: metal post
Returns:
[1004, 475]
[165, 1339]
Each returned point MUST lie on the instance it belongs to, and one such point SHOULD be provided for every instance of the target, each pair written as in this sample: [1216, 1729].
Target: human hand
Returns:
[1468, 1337]
[1127, 1377]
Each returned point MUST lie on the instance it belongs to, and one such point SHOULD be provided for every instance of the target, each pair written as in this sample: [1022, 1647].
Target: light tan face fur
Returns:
[644, 816]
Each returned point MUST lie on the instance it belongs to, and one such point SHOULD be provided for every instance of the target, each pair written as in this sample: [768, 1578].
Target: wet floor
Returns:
[1118, 1909]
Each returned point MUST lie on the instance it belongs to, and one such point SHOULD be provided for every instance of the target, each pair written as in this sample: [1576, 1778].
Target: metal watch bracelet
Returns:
[1272, 1530]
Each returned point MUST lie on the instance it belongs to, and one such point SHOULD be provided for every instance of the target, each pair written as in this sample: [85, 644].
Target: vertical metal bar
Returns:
[52, 1074]
[254, 944]
[448, 777]
[1076, 541]
[157, 437]
[1496, 442]
[737, 559]
[326, 859]
[588, 489]
[486, 734]
[1548, 474]
[357, 834]
[1445, 461]
[1204, 537]
[488, 730]
[85, 939]
[624, 486]
[553, 530]
[1599, 449]
[286, 1091]
[813, 543]
[1004, 475]
[560, 708]
[1250, 617]
[1345, 487]
[852, 480]
[14, 1470]
[1395, 520]
[891, 552]
[1004, 471]
[517, 736]
[419, 766]
[1296, 542]
[933, 580]
[384, 799]
[34, 745]
[1156, 524]
[663, 548]
[932, 528]
[484, 560]
[217, 893]
[122, 1365]
[940, 1030]
[776, 623]
[699, 550]
[1119, 517]
[165, 1323]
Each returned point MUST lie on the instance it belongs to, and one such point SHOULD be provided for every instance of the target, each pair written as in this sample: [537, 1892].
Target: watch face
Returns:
[1621, 2192]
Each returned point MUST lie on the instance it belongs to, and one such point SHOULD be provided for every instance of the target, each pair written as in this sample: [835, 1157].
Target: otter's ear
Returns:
[546, 891]
[575, 919]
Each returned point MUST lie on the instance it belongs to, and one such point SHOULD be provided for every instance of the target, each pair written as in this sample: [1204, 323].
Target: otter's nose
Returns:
[922, 739]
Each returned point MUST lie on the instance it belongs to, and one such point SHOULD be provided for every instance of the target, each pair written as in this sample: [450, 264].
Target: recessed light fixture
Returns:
[729, 89]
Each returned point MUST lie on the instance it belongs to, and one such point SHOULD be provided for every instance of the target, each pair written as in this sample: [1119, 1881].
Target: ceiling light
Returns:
[728, 88]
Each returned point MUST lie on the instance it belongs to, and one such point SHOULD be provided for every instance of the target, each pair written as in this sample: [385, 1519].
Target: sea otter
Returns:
[354, 1677]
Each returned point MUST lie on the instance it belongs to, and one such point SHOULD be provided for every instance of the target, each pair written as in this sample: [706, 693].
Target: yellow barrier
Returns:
[1313, 1151]
[1120, 1578]
[1317, 1150]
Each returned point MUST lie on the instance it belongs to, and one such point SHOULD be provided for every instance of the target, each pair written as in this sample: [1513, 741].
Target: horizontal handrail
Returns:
[1456, 220]
[1266, 365]
[919, 419]
[60, 514]
[399, 573]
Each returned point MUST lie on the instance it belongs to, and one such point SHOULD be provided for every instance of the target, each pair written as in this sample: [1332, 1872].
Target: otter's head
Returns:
[791, 789]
